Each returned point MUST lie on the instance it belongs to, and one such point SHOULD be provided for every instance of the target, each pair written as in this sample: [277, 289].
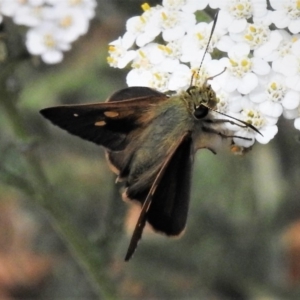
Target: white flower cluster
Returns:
[53, 24]
[262, 77]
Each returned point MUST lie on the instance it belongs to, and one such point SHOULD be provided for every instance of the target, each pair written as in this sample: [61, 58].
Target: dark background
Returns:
[64, 229]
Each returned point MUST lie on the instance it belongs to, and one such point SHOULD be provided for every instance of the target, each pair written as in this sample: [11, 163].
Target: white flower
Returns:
[265, 125]
[242, 71]
[119, 55]
[167, 47]
[45, 41]
[269, 46]
[193, 5]
[234, 13]
[138, 77]
[55, 23]
[30, 16]
[182, 74]
[172, 49]
[189, 6]
[143, 29]
[87, 7]
[293, 82]
[159, 80]
[286, 60]
[260, 39]
[273, 96]
[150, 65]
[148, 56]
[225, 43]
[153, 78]
[10, 7]
[265, 19]
[173, 4]
[194, 43]
[282, 58]
[180, 78]
[286, 14]
[229, 102]
[291, 114]
[293, 78]
[297, 123]
[71, 22]
[174, 24]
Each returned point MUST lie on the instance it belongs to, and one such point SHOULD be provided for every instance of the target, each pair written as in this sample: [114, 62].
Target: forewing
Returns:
[166, 204]
[120, 160]
[108, 124]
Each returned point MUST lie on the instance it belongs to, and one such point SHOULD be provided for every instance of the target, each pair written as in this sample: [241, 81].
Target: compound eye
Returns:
[201, 111]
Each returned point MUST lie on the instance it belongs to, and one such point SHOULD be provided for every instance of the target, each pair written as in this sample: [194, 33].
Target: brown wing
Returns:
[119, 161]
[108, 124]
[166, 202]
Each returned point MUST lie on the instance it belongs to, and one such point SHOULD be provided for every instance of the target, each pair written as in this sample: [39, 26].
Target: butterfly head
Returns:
[201, 99]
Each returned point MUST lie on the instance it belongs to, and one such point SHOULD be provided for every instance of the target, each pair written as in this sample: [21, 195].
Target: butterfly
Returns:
[150, 139]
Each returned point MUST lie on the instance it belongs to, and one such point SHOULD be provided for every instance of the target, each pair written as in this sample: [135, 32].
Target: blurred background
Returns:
[64, 229]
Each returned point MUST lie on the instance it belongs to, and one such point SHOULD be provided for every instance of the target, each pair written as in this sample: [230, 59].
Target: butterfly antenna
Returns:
[241, 121]
[206, 49]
